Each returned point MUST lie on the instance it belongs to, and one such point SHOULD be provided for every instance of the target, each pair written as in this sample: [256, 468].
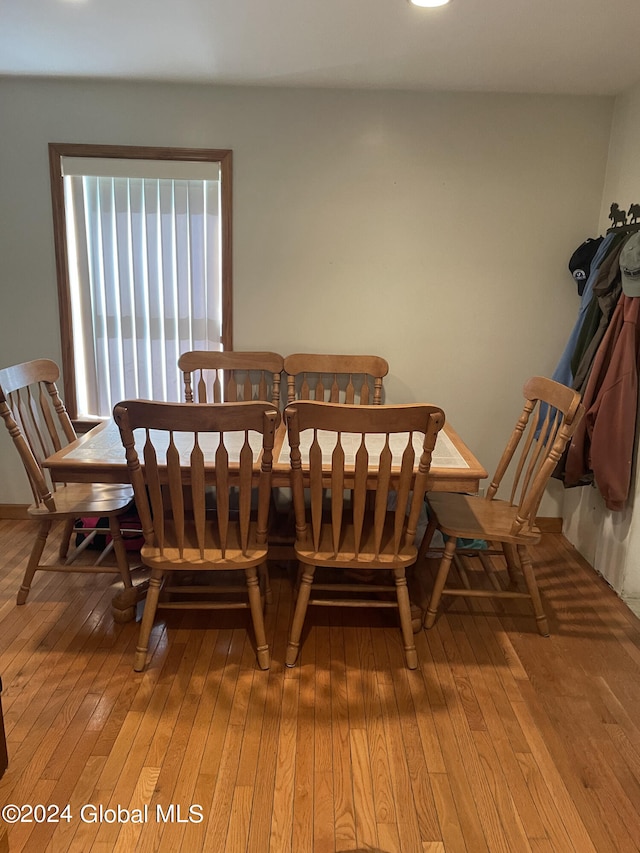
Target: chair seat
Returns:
[366, 558]
[169, 557]
[88, 499]
[472, 517]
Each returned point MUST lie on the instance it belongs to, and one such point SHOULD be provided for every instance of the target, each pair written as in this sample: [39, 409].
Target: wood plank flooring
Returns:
[501, 741]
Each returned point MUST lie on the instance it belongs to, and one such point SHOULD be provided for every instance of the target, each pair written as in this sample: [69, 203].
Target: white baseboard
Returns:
[633, 604]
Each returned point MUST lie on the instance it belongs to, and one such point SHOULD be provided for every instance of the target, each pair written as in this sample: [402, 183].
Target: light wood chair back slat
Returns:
[337, 491]
[506, 528]
[154, 508]
[187, 450]
[176, 493]
[231, 376]
[222, 492]
[376, 493]
[346, 379]
[198, 479]
[39, 425]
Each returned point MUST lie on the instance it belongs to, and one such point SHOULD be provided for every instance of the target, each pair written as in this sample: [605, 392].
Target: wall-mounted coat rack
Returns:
[623, 221]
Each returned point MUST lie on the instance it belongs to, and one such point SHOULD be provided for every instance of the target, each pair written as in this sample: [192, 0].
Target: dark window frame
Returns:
[58, 150]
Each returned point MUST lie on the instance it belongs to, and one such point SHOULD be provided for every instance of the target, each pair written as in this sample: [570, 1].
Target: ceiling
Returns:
[535, 46]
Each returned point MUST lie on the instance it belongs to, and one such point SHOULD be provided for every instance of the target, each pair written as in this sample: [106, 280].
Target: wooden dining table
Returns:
[98, 457]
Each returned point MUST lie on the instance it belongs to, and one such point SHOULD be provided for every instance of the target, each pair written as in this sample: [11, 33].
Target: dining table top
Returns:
[98, 457]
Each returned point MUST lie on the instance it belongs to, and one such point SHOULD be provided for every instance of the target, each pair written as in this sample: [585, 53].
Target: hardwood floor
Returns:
[501, 740]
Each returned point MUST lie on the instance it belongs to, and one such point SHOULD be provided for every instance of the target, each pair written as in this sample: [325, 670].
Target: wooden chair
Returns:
[231, 376]
[187, 448]
[335, 378]
[349, 379]
[548, 420]
[354, 534]
[39, 424]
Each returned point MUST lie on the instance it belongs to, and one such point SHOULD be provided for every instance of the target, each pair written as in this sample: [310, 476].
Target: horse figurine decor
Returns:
[622, 221]
[617, 216]
[634, 213]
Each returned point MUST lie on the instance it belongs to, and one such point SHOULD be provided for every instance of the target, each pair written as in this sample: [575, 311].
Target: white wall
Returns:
[611, 540]
[432, 229]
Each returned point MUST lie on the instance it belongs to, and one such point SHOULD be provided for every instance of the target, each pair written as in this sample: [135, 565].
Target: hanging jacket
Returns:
[604, 440]
[563, 372]
[607, 288]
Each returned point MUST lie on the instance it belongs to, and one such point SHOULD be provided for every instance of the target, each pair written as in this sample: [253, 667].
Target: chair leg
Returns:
[487, 565]
[299, 613]
[263, 571]
[534, 592]
[255, 604]
[66, 537]
[148, 616]
[441, 579]
[511, 560]
[120, 551]
[404, 610]
[296, 586]
[460, 568]
[123, 606]
[432, 525]
[34, 559]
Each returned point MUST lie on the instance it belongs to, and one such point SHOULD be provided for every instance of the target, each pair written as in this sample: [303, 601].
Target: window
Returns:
[143, 258]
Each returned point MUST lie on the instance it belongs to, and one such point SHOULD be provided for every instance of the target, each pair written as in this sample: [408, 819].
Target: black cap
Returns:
[580, 263]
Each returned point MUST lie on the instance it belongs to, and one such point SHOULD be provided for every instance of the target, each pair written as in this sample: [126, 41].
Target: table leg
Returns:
[123, 606]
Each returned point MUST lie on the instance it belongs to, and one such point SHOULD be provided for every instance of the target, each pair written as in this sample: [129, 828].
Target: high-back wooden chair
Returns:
[184, 449]
[39, 425]
[353, 451]
[214, 377]
[232, 376]
[347, 379]
[550, 416]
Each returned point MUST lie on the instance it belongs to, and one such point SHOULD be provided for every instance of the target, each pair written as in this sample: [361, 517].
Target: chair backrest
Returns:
[186, 448]
[354, 450]
[36, 419]
[335, 378]
[231, 376]
[549, 419]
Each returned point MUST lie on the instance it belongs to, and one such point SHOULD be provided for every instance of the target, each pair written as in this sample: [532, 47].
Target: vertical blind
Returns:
[145, 280]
